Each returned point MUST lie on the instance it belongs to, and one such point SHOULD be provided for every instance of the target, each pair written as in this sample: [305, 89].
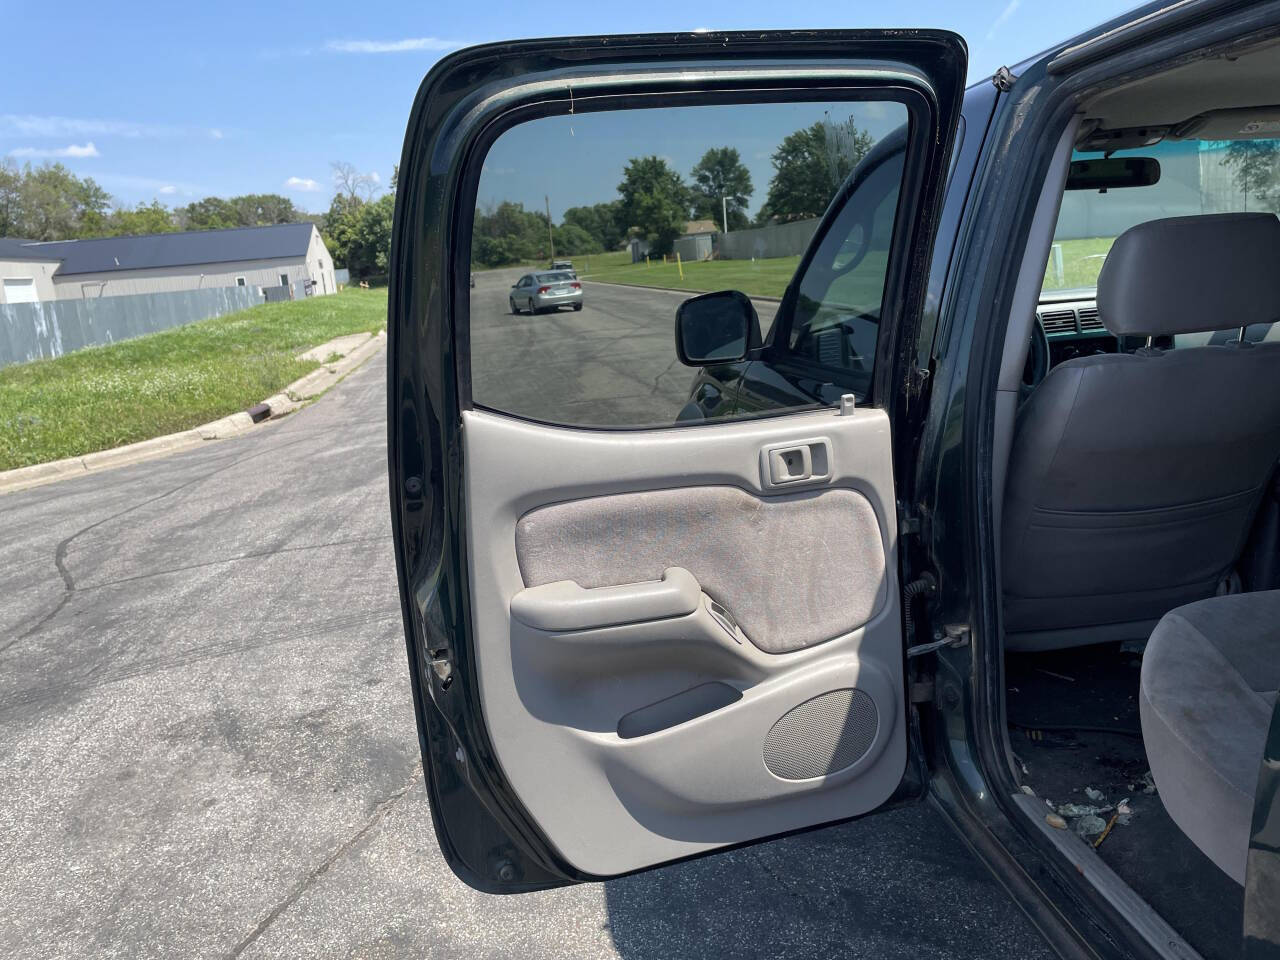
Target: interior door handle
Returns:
[564, 605]
[801, 462]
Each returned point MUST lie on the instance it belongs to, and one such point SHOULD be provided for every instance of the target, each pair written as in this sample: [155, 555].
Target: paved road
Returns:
[611, 364]
[207, 747]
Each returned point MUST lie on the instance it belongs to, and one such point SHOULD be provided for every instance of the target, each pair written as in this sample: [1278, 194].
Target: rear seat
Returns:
[1209, 680]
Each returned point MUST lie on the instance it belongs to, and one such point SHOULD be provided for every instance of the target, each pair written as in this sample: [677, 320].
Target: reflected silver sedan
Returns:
[537, 292]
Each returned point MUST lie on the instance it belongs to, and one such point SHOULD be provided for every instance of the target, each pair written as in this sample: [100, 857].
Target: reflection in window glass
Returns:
[590, 230]
[837, 316]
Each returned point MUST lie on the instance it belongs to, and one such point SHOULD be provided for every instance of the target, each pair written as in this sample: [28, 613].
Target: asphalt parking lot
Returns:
[207, 746]
[612, 363]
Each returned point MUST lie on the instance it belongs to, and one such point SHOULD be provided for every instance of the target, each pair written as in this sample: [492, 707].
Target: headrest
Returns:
[1192, 274]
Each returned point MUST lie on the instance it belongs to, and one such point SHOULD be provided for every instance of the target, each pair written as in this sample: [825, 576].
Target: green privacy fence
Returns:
[51, 328]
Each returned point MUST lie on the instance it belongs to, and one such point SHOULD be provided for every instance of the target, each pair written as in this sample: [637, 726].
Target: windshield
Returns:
[1196, 176]
[554, 277]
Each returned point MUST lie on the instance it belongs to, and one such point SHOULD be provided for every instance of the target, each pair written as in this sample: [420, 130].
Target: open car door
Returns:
[637, 635]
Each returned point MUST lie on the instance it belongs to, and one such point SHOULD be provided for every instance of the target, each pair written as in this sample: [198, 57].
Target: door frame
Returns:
[973, 782]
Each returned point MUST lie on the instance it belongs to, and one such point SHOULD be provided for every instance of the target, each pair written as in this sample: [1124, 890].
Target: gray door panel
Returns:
[672, 654]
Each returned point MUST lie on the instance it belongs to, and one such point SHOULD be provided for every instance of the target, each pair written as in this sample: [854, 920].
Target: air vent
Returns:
[1058, 321]
[1089, 319]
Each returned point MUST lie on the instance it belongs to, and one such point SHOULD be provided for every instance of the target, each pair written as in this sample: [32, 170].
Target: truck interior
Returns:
[1136, 442]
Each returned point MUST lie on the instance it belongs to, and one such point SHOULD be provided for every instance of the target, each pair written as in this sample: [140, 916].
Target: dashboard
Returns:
[1072, 328]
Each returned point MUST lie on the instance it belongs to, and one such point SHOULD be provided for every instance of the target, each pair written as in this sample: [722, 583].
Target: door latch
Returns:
[954, 635]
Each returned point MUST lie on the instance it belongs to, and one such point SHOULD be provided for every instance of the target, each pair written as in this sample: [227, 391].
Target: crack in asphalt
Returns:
[379, 814]
[256, 555]
[60, 552]
[98, 678]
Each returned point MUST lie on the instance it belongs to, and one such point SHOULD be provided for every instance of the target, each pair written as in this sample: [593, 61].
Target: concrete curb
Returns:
[692, 293]
[289, 399]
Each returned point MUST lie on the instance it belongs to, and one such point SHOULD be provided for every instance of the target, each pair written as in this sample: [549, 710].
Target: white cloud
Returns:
[393, 46]
[215, 133]
[305, 184]
[30, 125]
[1005, 14]
[168, 189]
[373, 176]
[72, 151]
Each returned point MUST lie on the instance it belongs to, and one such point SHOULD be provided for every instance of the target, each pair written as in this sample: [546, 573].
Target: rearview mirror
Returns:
[1107, 172]
[716, 328]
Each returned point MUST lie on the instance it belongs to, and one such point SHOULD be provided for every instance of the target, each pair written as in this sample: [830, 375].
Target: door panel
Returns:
[671, 655]
[638, 628]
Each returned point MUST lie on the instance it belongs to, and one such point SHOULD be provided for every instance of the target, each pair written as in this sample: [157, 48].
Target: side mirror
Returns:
[716, 328]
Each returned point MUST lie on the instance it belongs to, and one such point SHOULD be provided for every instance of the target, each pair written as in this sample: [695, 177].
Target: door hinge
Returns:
[1003, 79]
[953, 635]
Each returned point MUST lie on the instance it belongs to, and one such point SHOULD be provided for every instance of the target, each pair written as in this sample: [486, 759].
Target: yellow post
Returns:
[664, 259]
[679, 266]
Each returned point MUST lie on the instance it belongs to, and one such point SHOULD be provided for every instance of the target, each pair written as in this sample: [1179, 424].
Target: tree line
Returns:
[49, 202]
[656, 203]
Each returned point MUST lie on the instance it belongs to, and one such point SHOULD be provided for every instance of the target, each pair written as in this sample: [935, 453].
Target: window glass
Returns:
[837, 313]
[623, 215]
[1196, 177]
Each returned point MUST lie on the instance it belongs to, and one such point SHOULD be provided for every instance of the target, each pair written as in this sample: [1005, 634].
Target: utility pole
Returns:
[724, 212]
[551, 237]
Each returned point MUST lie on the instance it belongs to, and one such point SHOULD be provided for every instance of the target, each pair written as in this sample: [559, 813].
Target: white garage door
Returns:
[20, 290]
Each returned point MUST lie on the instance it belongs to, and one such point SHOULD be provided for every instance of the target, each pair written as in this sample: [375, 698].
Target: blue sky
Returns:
[179, 101]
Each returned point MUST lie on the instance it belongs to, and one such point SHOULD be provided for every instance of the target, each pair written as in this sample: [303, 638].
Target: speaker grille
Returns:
[822, 735]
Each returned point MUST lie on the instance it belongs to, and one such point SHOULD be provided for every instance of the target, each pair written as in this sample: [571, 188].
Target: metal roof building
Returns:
[291, 255]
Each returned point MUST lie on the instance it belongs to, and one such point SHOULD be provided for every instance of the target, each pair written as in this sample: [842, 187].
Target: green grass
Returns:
[103, 397]
[1081, 263]
[760, 278]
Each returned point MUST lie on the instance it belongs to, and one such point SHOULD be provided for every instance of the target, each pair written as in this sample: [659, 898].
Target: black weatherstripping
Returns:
[484, 831]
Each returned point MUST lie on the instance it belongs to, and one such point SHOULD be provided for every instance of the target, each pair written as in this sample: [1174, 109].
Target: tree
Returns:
[55, 204]
[655, 202]
[509, 233]
[1253, 165]
[572, 240]
[338, 226]
[370, 250]
[720, 180]
[10, 199]
[211, 213]
[263, 210]
[601, 221]
[809, 166]
[352, 183]
[153, 217]
[247, 210]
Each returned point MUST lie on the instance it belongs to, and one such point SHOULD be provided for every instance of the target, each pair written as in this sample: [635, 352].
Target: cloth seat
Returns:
[1134, 477]
[1209, 680]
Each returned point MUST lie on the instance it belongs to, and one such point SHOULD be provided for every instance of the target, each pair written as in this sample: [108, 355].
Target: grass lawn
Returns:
[761, 278]
[1081, 263]
[103, 397]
